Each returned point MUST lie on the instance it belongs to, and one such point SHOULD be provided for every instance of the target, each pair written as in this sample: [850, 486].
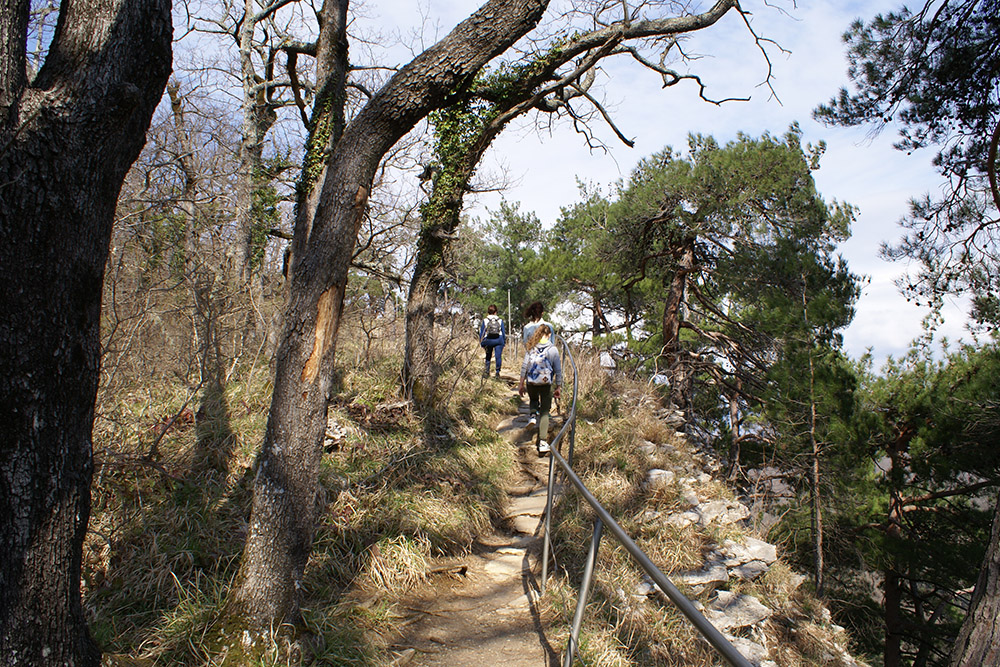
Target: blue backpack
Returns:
[539, 367]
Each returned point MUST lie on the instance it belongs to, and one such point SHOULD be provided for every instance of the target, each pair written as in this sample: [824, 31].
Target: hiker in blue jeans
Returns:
[492, 337]
[541, 375]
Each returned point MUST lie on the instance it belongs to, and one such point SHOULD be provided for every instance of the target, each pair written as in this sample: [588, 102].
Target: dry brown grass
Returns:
[166, 535]
[400, 488]
[623, 628]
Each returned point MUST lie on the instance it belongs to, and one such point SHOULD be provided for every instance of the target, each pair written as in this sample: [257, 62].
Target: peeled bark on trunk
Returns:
[978, 642]
[286, 489]
[66, 142]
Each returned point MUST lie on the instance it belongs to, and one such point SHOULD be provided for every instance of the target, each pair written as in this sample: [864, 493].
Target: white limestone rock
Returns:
[750, 571]
[751, 549]
[690, 499]
[730, 610]
[752, 651]
[684, 519]
[711, 576]
[646, 588]
[722, 512]
[657, 478]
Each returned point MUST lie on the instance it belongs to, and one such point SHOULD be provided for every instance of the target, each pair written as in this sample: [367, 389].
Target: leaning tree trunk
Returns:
[464, 134]
[286, 490]
[439, 217]
[66, 141]
[978, 642]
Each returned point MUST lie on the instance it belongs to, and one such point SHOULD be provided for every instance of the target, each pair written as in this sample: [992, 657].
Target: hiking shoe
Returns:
[533, 420]
[543, 447]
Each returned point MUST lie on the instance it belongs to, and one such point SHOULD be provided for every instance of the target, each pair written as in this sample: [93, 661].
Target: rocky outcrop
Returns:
[741, 617]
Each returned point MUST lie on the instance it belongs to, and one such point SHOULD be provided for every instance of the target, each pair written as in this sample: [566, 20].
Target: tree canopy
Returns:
[697, 242]
[935, 73]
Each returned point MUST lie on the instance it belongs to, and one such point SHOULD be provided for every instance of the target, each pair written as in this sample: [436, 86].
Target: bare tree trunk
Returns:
[893, 594]
[286, 490]
[978, 642]
[814, 471]
[814, 483]
[734, 427]
[257, 117]
[671, 325]
[66, 142]
[210, 302]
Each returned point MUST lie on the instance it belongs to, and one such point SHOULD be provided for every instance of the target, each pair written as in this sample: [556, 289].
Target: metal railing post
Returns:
[581, 603]
[572, 442]
[548, 525]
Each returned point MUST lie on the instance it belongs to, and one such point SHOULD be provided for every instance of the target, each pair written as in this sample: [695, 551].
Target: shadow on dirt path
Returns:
[483, 609]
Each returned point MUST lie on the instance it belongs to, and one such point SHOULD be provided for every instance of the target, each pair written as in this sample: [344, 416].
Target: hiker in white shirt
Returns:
[541, 376]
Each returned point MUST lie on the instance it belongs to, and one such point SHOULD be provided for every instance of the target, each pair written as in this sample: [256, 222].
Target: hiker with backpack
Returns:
[533, 315]
[541, 375]
[492, 337]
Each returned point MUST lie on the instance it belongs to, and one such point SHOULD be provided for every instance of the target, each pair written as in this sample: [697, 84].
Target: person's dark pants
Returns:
[540, 402]
[493, 350]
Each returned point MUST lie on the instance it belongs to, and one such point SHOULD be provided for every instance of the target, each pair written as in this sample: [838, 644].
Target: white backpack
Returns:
[539, 367]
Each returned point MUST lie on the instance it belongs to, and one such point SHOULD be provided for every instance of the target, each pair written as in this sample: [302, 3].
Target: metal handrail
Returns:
[604, 519]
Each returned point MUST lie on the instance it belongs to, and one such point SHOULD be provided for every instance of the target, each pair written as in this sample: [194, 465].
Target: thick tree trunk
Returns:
[439, 220]
[66, 142]
[893, 596]
[286, 490]
[420, 368]
[978, 642]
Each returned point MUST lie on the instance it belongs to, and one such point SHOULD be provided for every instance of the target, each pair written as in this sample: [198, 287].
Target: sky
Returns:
[543, 168]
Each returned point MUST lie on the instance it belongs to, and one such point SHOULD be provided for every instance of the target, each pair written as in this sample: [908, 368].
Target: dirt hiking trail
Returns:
[482, 609]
